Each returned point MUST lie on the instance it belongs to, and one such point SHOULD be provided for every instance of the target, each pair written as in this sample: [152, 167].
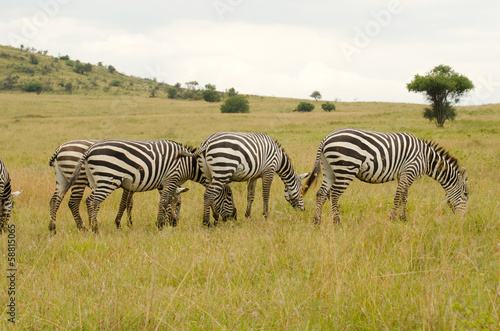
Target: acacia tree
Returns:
[316, 95]
[443, 88]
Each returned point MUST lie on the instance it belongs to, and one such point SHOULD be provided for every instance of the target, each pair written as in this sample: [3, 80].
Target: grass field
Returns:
[437, 271]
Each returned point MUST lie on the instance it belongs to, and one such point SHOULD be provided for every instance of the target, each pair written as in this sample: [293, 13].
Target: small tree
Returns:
[211, 95]
[111, 69]
[443, 88]
[69, 87]
[235, 104]
[304, 107]
[231, 92]
[316, 95]
[328, 106]
[34, 86]
[172, 92]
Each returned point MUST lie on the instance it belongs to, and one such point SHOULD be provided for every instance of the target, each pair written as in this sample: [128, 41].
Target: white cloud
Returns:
[248, 52]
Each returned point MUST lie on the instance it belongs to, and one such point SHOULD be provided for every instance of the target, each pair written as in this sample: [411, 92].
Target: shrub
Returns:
[328, 106]
[115, 83]
[304, 107]
[235, 104]
[172, 92]
[64, 57]
[211, 96]
[33, 59]
[34, 86]
[111, 69]
[68, 87]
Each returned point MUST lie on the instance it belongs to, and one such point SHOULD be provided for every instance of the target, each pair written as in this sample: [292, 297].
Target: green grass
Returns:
[437, 271]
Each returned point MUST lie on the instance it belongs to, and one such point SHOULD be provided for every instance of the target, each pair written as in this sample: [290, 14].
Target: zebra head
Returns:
[458, 195]
[176, 201]
[293, 192]
[6, 208]
[224, 204]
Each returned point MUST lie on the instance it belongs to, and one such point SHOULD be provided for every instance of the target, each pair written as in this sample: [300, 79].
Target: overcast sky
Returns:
[347, 50]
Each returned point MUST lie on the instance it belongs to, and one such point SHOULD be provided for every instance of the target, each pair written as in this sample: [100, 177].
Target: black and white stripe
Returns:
[6, 197]
[375, 157]
[238, 156]
[64, 160]
[136, 166]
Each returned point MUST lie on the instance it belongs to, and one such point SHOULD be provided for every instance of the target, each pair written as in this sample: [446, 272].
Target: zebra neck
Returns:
[285, 170]
[440, 168]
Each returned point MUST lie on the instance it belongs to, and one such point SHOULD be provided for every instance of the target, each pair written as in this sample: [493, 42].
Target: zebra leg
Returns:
[250, 195]
[267, 180]
[124, 204]
[55, 202]
[94, 209]
[130, 205]
[165, 212]
[74, 205]
[400, 198]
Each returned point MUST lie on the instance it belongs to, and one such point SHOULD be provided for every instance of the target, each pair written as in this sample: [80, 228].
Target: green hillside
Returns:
[26, 69]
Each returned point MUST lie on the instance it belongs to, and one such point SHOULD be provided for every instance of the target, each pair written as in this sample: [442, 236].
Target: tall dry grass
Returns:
[436, 271]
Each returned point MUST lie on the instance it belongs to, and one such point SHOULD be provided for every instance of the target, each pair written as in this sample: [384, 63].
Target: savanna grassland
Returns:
[437, 271]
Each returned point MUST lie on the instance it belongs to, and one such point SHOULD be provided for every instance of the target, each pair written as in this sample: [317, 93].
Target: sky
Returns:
[347, 50]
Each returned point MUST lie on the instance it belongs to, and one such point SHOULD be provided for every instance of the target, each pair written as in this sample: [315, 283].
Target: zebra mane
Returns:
[190, 148]
[442, 152]
[281, 147]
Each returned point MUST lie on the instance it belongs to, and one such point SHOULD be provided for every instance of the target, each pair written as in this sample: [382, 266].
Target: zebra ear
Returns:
[463, 173]
[182, 190]
[302, 176]
[15, 194]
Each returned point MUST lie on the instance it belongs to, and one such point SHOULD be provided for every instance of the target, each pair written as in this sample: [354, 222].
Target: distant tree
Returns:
[211, 96]
[69, 87]
[153, 90]
[316, 95]
[111, 69]
[172, 92]
[304, 107]
[81, 68]
[443, 88]
[210, 87]
[328, 106]
[235, 104]
[64, 57]
[192, 85]
[34, 86]
[231, 92]
[33, 59]
[178, 85]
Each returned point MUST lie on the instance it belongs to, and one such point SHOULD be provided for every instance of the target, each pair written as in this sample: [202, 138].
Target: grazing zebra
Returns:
[375, 157]
[139, 166]
[6, 197]
[238, 156]
[64, 160]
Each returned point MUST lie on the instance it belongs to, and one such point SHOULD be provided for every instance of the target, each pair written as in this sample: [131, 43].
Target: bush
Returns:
[211, 96]
[304, 107]
[35, 86]
[33, 59]
[68, 87]
[115, 83]
[328, 106]
[172, 93]
[235, 104]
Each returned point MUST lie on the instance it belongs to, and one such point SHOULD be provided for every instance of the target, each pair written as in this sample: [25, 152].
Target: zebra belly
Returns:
[375, 173]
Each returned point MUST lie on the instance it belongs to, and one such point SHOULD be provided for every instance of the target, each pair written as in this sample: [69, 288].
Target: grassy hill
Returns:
[21, 67]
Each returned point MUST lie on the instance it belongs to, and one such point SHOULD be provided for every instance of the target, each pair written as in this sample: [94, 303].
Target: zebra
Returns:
[139, 166]
[64, 161]
[239, 156]
[6, 197]
[375, 157]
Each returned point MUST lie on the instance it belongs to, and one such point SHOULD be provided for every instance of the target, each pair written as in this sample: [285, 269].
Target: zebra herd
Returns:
[224, 157]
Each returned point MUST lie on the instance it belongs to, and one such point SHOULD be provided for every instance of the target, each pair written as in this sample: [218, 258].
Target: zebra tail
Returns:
[313, 176]
[189, 154]
[54, 156]
[74, 176]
